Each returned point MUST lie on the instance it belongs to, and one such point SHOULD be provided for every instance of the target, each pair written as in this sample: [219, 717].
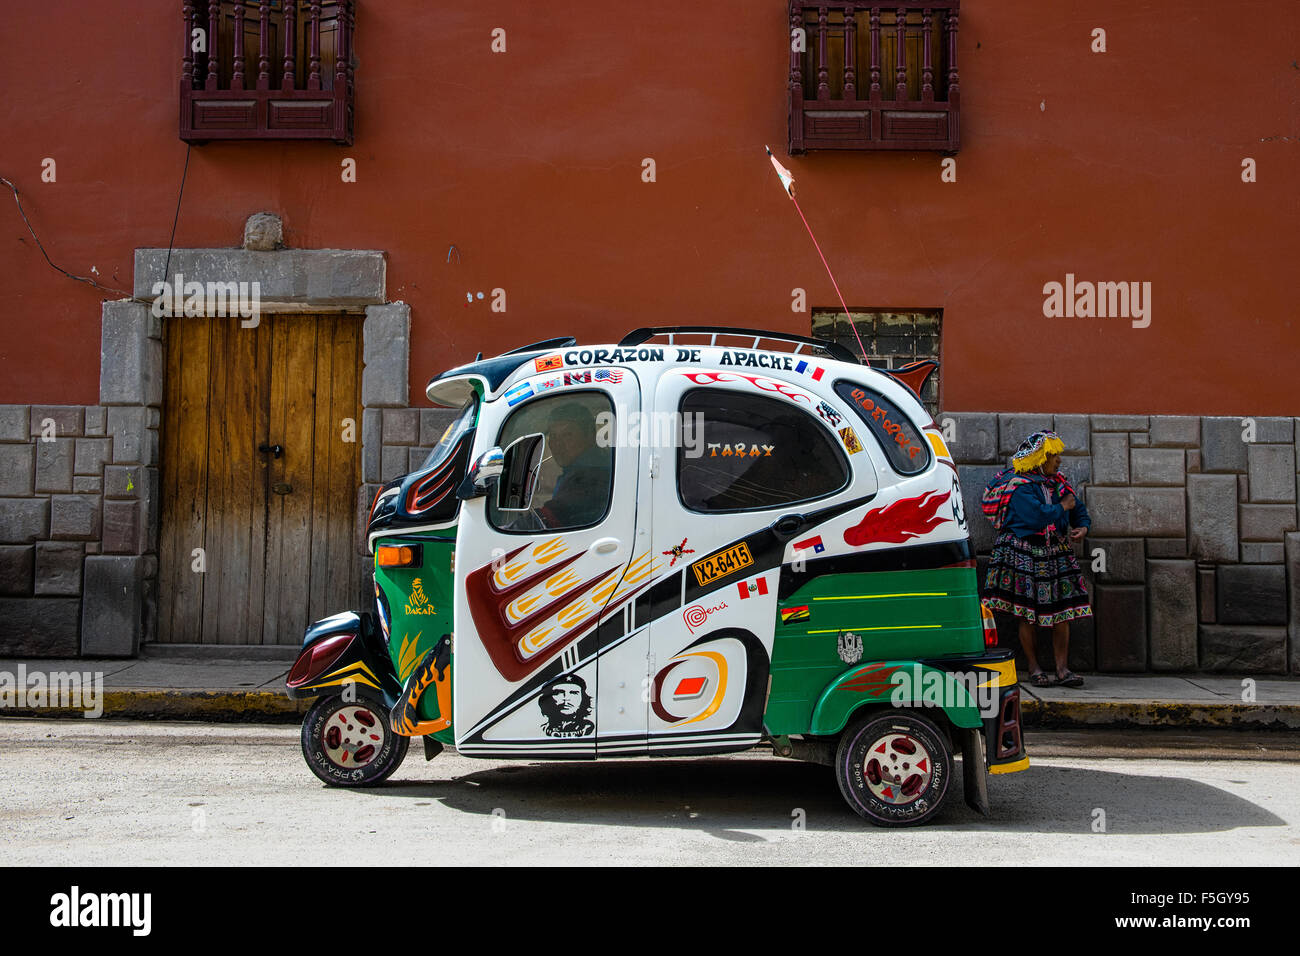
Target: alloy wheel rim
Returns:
[352, 737]
[897, 768]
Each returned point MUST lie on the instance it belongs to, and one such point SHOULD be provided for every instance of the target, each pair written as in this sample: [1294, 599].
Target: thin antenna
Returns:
[787, 182]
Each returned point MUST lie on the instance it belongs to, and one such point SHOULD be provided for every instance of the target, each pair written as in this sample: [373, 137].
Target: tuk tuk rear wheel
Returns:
[893, 768]
[349, 743]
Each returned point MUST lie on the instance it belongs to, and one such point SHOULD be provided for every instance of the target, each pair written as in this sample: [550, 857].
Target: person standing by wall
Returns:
[1033, 573]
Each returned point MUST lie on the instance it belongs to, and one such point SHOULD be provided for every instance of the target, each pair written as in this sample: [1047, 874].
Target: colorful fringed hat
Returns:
[1033, 451]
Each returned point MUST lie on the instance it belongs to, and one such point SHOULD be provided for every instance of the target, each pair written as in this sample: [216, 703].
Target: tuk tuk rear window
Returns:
[748, 453]
[905, 447]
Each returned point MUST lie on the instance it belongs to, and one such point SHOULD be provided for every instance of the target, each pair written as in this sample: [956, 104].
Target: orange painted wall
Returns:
[1117, 166]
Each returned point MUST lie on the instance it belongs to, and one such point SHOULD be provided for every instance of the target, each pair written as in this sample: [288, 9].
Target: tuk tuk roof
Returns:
[454, 386]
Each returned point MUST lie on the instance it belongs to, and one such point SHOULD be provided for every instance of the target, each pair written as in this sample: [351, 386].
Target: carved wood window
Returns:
[274, 69]
[870, 76]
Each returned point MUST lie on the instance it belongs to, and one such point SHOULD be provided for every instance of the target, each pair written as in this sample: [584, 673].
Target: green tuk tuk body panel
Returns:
[831, 626]
[899, 683]
[418, 604]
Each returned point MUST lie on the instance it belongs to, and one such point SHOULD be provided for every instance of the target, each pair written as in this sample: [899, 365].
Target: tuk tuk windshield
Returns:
[460, 425]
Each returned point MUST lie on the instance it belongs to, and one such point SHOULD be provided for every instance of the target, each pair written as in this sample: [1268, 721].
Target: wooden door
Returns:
[277, 533]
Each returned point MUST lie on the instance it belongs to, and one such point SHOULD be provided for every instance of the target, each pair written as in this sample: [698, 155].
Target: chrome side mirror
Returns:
[483, 474]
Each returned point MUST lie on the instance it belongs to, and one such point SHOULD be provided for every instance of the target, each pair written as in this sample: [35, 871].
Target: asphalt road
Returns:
[105, 792]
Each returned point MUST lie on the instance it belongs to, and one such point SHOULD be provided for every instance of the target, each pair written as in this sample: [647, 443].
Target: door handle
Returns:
[276, 450]
[787, 526]
[606, 545]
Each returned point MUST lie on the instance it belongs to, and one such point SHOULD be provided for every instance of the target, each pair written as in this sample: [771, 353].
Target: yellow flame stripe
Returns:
[406, 658]
[573, 615]
[534, 641]
[897, 627]
[640, 568]
[602, 592]
[564, 581]
[357, 664]
[345, 680]
[506, 574]
[522, 606]
[548, 551]
[1004, 674]
[868, 597]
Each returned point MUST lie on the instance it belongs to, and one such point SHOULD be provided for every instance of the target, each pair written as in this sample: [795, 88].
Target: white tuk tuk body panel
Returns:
[651, 630]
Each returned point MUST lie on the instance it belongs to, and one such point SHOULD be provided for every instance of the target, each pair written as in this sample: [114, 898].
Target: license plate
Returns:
[722, 564]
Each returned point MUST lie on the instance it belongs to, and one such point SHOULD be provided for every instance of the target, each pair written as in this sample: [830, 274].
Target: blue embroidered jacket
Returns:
[1031, 512]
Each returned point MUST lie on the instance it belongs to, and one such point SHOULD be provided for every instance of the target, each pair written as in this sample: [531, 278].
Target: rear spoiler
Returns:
[914, 376]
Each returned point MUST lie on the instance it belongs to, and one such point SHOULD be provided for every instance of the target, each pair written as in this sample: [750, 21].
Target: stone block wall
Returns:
[396, 441]
[79, 504]
[1193, 559]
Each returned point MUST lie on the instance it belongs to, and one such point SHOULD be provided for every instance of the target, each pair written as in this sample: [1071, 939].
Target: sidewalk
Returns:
[172, 688]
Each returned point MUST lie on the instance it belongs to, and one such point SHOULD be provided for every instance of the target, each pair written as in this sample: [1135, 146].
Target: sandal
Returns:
[1039, 679]
[1069, 679]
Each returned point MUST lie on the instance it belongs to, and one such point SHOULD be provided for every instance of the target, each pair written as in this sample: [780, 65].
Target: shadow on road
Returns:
[728, 797]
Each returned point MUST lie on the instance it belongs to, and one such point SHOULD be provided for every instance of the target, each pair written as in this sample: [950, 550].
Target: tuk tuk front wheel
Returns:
[349, 743]
[894, 768]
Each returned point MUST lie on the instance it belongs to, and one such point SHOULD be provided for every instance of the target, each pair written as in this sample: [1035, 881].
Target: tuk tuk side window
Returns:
[575, 483]
[751, 453]
[905, 447]
[455, 430]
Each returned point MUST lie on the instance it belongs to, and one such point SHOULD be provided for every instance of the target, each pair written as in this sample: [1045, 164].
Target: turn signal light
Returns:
[403, 556]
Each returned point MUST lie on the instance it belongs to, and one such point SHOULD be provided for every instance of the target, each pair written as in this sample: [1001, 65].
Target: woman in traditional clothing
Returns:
[1032, 572]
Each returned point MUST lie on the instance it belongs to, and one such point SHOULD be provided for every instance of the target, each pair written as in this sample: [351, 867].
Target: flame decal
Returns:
[640, 568]
[873, 680]
[899, 521]
[606, 588]
[562, 582]
[760, 383]
[523, 623]
[548, 551]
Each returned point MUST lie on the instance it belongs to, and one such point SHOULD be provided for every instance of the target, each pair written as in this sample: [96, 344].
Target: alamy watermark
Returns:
[75, 908]
[652, 430]
[1100, 300]
[66, 690]
[931, 688]
[193, 299]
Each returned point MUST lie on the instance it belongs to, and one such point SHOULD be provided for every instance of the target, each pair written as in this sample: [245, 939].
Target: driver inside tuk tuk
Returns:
[581, 493]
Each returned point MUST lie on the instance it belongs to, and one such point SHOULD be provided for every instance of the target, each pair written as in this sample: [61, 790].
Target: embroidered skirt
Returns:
[1035, 579]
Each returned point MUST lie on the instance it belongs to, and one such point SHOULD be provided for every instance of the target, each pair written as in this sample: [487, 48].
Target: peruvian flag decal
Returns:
[747, 588]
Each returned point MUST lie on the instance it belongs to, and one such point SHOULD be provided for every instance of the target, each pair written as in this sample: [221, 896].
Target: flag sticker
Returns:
[850, 439]
[829, 414]
[548, 363]
[578, 378]
[611, 375]
[794, 615]
[517, 394]
[748, 588]
[807, 368]
[815, 544]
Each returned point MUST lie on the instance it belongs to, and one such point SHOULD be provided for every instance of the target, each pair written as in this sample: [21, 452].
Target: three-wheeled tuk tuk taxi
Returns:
[674, 546]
